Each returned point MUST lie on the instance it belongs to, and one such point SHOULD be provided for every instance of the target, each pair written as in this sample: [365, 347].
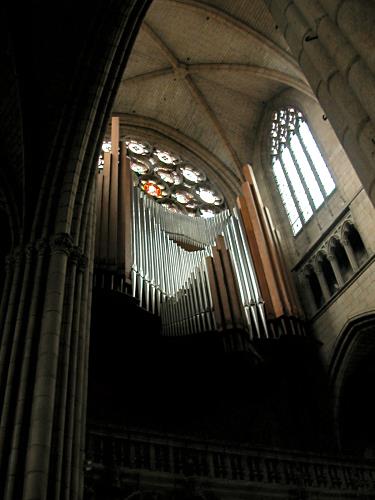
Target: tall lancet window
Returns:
[301, 174]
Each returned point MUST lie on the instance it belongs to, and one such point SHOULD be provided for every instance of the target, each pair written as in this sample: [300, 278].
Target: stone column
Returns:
[307, 292]
[6, 290]
[21, 421]
[68, 351]
[336, 270]
[15, 347]
[322, 282]
[42, 414]
[349, 252]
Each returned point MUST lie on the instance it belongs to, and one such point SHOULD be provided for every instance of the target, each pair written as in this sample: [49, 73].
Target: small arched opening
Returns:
[328, 274]
[315, 288]
[356, 243]
[339, 253]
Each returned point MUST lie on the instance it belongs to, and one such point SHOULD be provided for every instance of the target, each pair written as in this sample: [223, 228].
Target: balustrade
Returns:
[337, 252]
[209, 460]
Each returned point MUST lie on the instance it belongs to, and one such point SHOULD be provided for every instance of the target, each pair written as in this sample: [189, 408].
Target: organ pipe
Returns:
[225, 273]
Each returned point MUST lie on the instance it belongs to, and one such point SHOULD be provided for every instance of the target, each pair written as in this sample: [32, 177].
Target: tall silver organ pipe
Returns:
[191, 278]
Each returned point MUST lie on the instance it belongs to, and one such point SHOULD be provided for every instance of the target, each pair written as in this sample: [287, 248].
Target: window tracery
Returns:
[301, 174]
[178, 185]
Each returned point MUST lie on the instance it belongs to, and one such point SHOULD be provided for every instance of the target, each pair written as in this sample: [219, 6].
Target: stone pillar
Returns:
[336, 270]
[45, 303]
[349, 252]
[21, 422]
[43, 354]
[307, 292]
[322, 282]
[42, 415]
[6, 290]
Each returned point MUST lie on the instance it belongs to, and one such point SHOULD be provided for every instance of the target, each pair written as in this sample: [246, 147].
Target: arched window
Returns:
[301, 173]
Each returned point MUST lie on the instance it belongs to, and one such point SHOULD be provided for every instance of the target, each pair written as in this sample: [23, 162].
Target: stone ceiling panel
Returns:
[238, 113]
[245, 82]
[197, 38]
[253, 13]
[206, 69]
[145, 57]
[168, 101]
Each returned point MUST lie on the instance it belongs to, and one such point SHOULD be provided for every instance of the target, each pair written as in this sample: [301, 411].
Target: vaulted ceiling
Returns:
[201, 73]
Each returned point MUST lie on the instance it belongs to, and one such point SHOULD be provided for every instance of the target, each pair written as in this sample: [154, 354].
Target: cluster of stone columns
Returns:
[45, 304]
[44, 320]
[333, 42]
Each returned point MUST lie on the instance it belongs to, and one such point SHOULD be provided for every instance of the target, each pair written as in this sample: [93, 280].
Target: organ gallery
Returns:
[187, 250]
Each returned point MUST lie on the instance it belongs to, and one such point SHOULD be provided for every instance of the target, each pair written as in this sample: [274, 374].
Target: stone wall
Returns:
[358, 293]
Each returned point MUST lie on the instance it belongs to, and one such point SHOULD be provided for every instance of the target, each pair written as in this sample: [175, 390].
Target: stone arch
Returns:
[350, 234]
[314, 285]
[152, 130]
[327, 271]
[337, 251]
[351, 375]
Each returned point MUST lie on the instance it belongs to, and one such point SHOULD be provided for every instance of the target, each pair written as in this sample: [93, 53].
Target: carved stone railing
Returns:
[132, 451]
[321, 265]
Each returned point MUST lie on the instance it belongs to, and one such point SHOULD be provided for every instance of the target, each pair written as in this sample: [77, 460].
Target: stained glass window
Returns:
[301, 174]
[171, 180]
[178, 185]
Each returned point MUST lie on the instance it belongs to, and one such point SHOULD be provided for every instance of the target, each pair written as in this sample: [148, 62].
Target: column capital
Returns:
[75, 254]
[83, 262]
[17, 254]
[61, 243]
[9, 261]
[316, 266]
[345, 241]
[306, 272]
[29, 251]
[41, 246]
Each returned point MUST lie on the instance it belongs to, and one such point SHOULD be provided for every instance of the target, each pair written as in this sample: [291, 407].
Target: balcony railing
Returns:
[140, 451]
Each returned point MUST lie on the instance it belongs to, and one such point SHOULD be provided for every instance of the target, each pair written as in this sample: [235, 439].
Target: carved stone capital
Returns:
[17, 254]
[315, 265]
[320, 258]
[61, 243]
[9, 261]
[29, 251]
[83, 262]
[41, 246]
[306, 272]
[75, 254]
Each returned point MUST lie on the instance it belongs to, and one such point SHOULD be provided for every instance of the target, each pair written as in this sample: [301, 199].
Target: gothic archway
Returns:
[353, 375]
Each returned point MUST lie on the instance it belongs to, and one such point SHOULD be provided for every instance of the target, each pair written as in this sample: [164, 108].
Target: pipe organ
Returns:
[218, 274]
[196, 273]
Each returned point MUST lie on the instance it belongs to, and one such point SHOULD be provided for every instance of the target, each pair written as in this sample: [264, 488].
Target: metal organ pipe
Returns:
[174, 282]
[197, 274]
